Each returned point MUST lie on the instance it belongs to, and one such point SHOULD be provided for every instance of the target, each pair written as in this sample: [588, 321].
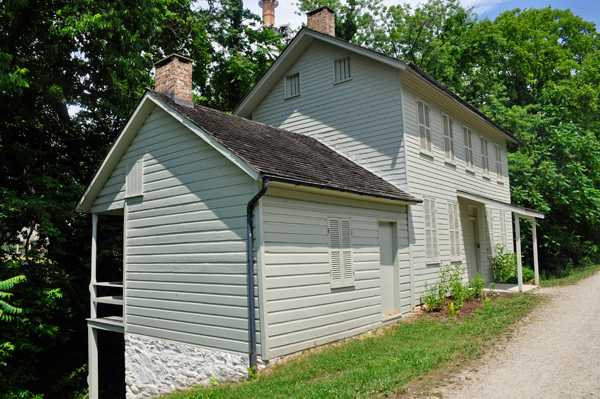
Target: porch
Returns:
[519, 213]
[510, 288]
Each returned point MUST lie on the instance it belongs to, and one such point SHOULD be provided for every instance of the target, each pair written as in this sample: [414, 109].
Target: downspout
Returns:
[250, 260]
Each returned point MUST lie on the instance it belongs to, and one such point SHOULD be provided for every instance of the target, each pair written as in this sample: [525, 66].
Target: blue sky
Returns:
[588, 9]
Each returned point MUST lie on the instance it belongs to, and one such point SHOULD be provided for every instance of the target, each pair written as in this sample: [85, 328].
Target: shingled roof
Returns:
[285, 156]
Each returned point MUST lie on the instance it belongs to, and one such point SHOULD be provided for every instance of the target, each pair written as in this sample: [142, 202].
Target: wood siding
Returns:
[433, 177]
[185, 239]
[302, 309]
[360, 118]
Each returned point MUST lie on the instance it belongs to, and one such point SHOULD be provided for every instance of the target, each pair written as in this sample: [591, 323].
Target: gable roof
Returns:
[261, 150]
[306, 36]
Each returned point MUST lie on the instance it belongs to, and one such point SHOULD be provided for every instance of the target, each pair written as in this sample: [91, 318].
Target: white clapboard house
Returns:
[318, 211]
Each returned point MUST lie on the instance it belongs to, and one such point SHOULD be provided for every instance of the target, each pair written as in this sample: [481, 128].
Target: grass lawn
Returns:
[383, 363]
[577, 275]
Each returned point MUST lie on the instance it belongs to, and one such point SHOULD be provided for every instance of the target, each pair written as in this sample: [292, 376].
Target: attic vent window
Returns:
[134, 179]
[292, 85]
[341, 69]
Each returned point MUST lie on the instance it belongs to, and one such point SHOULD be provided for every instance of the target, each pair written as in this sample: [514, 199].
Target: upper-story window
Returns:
[498, 152]
[468, 139]
[424, 126]
[448, 123]
[292, 85]
[341, 70]
[485, 159]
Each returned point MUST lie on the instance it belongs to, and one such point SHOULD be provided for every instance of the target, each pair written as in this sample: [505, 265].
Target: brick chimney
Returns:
[173, 77]
[322, 20]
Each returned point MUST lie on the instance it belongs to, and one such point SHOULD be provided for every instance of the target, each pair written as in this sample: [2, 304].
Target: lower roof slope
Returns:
[282, 155]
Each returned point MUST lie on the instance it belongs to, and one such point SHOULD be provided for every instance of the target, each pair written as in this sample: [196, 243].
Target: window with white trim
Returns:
[468, 140]
[448, 123]
[454, 230]
[134, 179]
[485, 159]
[341, 70]
[292, 85]
[424, 126]
[340, 252]
[431, 236]
[498, 152]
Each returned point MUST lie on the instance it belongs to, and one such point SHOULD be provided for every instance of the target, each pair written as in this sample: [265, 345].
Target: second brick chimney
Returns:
[322, 20]
[173, 77]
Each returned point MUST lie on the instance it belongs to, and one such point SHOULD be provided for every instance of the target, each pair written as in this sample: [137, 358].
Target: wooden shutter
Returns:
[448, 137]
[292, 85]
[348, 267]
[498, 161]
[490, 233]
[431, 244]
[134, 184]
[453, 230]
[468, 139]
[424, 128]
[340, 252]
[342, 70]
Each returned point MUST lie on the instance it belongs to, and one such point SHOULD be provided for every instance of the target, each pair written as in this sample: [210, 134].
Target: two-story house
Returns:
[317, 213]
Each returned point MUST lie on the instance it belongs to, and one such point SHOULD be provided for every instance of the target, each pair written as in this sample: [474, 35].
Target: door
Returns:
[388, 274]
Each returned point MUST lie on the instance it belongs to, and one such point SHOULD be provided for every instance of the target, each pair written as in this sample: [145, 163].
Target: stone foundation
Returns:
[154, 367]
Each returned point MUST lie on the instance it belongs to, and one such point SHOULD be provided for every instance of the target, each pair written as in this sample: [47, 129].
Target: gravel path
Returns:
[556, 355]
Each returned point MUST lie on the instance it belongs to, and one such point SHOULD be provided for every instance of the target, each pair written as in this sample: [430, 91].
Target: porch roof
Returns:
[525, 213]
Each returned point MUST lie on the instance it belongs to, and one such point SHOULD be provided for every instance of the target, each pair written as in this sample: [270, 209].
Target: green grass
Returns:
[382, 364]
[574, 277]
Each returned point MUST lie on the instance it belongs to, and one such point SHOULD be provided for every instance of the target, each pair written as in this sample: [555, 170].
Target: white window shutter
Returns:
[348, 267]
[134, 180]
[490, 233]
[335, 252]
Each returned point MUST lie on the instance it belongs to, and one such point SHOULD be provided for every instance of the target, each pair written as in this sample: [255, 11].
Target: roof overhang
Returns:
[525, 213]
[132, 127]
[301, 42]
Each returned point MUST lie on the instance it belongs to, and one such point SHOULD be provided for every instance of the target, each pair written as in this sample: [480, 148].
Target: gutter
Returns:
[250, 270]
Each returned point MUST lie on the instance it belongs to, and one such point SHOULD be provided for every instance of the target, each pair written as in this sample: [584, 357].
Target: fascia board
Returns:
[116, 152]
[208, 139]
[496, 204]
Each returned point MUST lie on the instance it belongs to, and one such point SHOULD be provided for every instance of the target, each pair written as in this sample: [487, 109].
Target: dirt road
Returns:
[557, 355]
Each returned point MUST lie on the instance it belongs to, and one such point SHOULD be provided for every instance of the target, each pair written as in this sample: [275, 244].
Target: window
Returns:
[341, 70]
[292, 85]
[448, 137]
[424, 129]
[454, 230]
[134, 184]
[431, 240]
[468, 139]
[491, 250]
[498, 161]
[485, 160]
[340, 252]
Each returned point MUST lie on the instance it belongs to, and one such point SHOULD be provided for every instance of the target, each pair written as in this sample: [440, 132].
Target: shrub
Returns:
[434, 299]
[504, 264]
[476, 287]
[528, 275]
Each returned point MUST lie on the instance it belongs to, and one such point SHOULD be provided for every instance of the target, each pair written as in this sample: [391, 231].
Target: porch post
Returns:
[535, 253]
[518, 243]
[92, 332]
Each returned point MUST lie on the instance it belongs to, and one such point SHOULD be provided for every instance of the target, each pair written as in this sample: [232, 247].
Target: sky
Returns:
[588, 9]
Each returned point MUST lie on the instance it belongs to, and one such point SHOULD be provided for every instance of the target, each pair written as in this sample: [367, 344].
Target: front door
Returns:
[388, 248]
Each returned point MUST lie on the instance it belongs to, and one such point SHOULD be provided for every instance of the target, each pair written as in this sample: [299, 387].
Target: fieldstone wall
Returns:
[154, 367]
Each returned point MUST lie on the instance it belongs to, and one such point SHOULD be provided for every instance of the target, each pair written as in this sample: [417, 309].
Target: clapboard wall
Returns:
[360, 118]
[301, 308]
[185, 239]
